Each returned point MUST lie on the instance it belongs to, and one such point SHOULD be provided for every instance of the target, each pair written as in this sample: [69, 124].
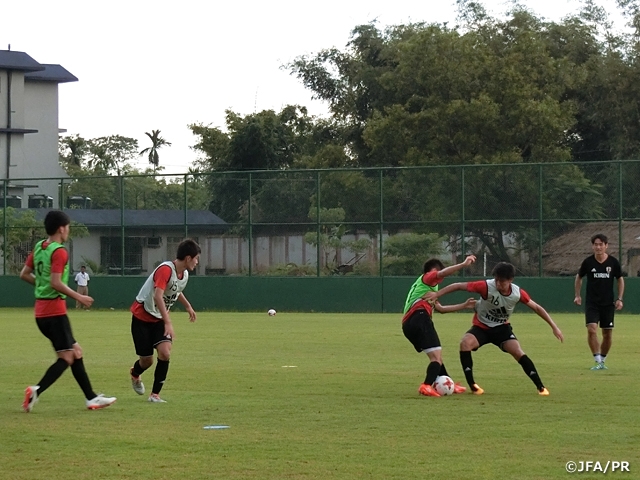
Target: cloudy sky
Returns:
[146, 65]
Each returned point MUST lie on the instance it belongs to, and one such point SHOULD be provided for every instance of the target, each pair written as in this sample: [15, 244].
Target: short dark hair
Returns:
[431, 264]
[54, 220]
[504, 271]
[187, 248]
[600, 236]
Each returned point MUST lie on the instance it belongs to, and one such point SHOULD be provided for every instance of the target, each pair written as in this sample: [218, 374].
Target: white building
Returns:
[29, 126]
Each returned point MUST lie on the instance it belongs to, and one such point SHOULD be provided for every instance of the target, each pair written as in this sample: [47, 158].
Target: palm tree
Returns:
[157, 142]
[73, 150]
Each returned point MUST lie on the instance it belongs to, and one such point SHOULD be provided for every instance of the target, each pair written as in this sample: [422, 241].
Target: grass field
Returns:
[317, 396]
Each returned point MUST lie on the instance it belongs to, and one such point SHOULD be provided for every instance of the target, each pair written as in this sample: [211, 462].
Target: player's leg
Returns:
[80, 374]
[419, 330]
[435, 364]
[162, 368]
[470, 342]
[606, 325]
[607, 340]
[62, 341]
[512, 346]
[592, 318]
[142, 334]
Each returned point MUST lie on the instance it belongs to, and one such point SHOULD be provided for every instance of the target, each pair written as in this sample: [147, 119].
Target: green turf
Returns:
[349, 408]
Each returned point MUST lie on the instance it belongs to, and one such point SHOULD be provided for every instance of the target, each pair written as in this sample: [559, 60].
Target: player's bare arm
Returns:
[470, 303]
[445, 272]
[59, 286]
[577, 287]
[192, 314]
[433, 296]
[26, 274]
[158, 298]
[542, 313]
[619, 301]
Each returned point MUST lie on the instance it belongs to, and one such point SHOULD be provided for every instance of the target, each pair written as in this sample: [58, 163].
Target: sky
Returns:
[152, 65]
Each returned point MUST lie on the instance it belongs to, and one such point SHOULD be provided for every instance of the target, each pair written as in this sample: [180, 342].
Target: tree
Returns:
[112, 154]
[261, 141]
[72, 151]
[96, 160]
[22, 231]
[157, 142]
[490, 92]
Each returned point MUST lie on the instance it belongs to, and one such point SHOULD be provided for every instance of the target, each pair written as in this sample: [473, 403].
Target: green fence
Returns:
[312, 294]
[377, 222]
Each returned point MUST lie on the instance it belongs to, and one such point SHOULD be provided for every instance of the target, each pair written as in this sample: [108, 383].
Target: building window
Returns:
[111, 255]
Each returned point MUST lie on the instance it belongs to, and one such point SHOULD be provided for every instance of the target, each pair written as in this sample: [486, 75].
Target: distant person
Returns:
[151, 325]
[600, 269]
[499, 297]
[82, 279]
[417, 322]
[46, 268]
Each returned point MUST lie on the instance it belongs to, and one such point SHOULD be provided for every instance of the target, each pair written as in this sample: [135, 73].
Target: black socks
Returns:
[160, 375]
[52, 374]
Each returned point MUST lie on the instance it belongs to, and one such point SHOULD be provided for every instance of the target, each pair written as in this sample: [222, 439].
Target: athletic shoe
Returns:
[427, 391]
[136, 383]
[155, 398]
[30, 398]
[457, 388]
[604, 367]
[599, 366]
[544, 392]
[100, 402]
[476, 390]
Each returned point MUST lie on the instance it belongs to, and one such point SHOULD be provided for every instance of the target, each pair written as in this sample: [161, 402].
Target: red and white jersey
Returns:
[495, 309]
[165, 277]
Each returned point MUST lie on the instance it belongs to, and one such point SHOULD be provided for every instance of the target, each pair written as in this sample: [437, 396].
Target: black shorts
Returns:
[421, 332]
[58, 330]
[147, 336]
[600, 315]
[496, 335]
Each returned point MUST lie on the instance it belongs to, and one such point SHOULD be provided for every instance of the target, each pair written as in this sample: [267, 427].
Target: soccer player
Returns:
[151, 325]
[46, 268]
[600, 269]
[499, 297]
[417, 324]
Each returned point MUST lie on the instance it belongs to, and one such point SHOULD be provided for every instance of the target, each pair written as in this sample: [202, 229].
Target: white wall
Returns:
[34, 106]
[231, 254]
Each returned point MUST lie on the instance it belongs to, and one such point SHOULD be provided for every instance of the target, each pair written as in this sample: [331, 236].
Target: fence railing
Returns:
[375, 221]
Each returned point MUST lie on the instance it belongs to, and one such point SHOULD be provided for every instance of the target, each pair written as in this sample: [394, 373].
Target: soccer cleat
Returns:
[599, 366]
[30, 398]
[604, 367]
[544, 392]
[457, 388]
[136, 384]
[476, 390]
[428, 391]
[155, 398]
[100, 402]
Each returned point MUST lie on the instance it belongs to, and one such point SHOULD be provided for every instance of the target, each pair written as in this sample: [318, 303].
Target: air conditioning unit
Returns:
[153, 242]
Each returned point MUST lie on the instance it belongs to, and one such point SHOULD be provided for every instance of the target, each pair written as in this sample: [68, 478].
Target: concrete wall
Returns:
[34, 106]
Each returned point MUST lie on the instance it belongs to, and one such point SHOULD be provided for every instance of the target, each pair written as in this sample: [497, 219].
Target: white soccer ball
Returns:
[271, 312]
[444, 385]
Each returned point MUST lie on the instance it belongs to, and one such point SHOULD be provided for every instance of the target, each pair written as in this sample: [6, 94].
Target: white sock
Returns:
[598, 358]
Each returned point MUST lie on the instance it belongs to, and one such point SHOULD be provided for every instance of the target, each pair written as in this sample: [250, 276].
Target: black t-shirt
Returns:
[600, 279]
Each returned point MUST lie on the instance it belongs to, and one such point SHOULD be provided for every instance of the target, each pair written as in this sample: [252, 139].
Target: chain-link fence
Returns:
[371, 222]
